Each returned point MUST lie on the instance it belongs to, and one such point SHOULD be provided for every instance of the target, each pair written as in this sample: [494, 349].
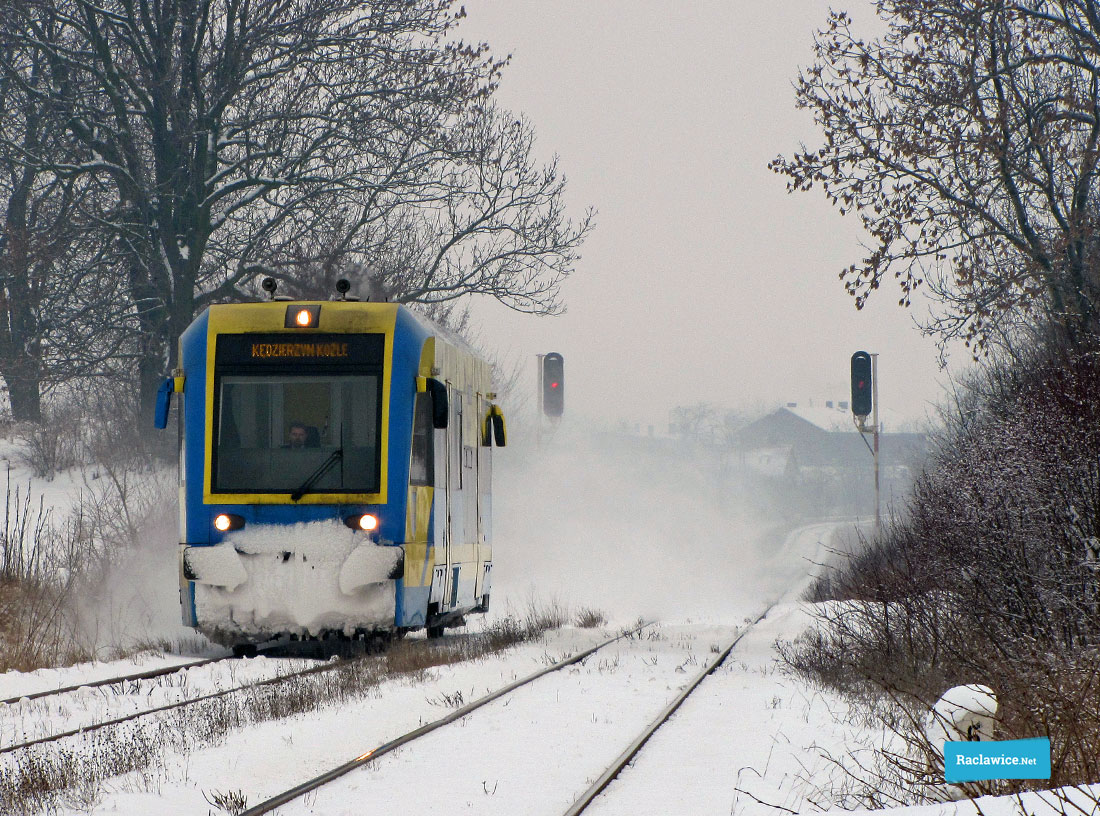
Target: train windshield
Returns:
[275, 431]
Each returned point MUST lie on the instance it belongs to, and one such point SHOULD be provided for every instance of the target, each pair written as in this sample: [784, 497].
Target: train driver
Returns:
[302, 436]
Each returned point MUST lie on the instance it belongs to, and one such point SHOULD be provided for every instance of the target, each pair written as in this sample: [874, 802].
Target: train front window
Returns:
[274, 431]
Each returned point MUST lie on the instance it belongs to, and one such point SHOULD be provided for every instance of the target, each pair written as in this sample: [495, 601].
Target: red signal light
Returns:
[553, 384]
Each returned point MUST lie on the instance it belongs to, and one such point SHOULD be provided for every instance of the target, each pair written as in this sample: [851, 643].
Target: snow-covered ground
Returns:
[623, 530]
[529, 753]
[751, 741]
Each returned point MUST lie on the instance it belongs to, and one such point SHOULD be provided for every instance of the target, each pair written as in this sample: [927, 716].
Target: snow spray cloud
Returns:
[134, 599]
[629, 525]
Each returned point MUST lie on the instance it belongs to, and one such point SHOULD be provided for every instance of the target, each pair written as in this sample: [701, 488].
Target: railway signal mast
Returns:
[553, 385]
[864, 402]
[551, 389]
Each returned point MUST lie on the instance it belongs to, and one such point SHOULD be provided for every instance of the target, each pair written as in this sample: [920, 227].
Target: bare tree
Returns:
[966, 140]
[56, 309]
[233, 135]
[25, 244]
[488, 221]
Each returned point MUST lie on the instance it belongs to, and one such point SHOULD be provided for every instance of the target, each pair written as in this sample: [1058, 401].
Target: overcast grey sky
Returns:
[704, 280]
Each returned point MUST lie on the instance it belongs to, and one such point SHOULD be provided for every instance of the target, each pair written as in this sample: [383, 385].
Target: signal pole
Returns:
[874, 410]
[864, 402]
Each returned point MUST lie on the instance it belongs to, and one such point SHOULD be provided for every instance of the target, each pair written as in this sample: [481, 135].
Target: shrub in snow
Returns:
[990, 573]
[962, 714]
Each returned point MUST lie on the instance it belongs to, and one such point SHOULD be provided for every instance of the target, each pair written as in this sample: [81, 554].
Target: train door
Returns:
[471, 441]
[442, 511]
[484, 504]
[456, 504]
[457, 550]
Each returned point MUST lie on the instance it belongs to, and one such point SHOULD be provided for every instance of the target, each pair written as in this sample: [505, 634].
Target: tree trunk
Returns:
[20, 346]
[20, 356]
[25, 397]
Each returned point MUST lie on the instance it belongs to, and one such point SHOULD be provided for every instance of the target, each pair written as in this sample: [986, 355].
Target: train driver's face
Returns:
[297, 437]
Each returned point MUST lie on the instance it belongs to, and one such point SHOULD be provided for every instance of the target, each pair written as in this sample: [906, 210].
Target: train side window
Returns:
[422, 466]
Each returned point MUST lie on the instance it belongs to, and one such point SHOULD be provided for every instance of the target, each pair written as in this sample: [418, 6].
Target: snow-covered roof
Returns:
[828, 419]
[840, 419]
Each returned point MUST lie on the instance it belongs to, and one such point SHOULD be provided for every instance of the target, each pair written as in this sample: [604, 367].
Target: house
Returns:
[827, 463]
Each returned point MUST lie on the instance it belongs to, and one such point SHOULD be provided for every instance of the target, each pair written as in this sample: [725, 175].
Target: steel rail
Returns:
[631, 751]
[312, 784]
[110, 681]
[325, 667]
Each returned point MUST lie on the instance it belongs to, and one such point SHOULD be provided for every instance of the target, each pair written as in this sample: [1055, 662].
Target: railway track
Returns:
[273, 649]
[293, 793]
[582, 801]
[632, 750]
[145, 712]
[151, 674]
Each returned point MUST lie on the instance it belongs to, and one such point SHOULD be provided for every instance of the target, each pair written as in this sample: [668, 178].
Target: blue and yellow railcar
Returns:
[335, 466]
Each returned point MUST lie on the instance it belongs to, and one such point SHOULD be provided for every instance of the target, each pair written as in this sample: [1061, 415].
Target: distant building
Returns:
[824, 461]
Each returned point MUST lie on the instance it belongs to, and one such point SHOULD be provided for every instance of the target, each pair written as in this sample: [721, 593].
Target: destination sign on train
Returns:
[283, 348]
[299, 349]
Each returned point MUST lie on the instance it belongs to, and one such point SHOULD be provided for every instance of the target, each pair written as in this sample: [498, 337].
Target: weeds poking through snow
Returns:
[445, 700]
[232, 803]
[541, 617]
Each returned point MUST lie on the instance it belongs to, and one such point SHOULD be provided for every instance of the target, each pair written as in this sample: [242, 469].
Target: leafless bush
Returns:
[588, 618]
[992, 575]
[1075, 800]
[117, 431]
[541, 616]
[34, 628]
[38, 558]
[55, 562]
[120, 499]
[54, 444]
[504, 633]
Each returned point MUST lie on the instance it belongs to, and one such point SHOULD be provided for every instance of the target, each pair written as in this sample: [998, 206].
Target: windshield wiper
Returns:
[332, 459]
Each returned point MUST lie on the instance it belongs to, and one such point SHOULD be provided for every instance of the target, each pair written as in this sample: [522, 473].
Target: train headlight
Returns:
[224, 522]
[302, 317]
[365, 522]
